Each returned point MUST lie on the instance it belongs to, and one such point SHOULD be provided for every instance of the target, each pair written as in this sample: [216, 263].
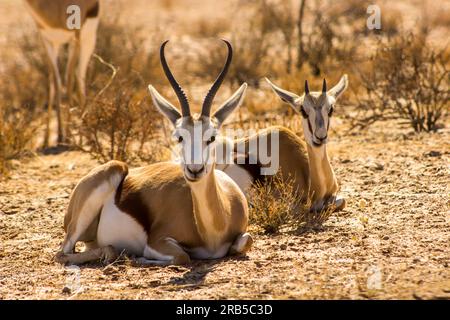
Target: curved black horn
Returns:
[207, 103]
[184, 103]
[306, 87]
[324, 86]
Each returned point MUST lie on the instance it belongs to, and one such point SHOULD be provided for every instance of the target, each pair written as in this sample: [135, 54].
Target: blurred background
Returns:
[398, 73]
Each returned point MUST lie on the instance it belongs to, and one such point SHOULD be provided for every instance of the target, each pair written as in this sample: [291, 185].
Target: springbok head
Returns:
[196, 134]
[316, 108]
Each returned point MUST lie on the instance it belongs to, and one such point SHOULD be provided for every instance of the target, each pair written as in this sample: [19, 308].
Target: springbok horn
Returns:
[207, 103]
[324, 86]
[306, 87]
[184, 103]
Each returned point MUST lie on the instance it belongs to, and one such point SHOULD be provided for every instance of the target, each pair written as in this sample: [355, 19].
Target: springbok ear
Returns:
[164, 106]
[338, 89]
[288, 97]
[230, 105]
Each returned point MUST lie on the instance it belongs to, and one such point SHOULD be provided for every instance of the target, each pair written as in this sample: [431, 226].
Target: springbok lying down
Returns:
[165, 213]
[307, 164]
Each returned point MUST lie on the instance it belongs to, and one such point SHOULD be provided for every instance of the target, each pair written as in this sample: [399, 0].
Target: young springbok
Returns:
[51, 18]
[308, 166]
[166, 212]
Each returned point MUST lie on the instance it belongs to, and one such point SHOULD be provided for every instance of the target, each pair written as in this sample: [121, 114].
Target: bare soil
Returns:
[392, 240]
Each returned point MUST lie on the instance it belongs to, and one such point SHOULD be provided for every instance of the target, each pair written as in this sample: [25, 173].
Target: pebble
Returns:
[66, 290]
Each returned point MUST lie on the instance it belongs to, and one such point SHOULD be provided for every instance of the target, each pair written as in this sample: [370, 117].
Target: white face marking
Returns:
[317, 107]
[196, 138]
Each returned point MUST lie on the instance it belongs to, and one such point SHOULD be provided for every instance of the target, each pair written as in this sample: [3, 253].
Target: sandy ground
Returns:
[392, 241]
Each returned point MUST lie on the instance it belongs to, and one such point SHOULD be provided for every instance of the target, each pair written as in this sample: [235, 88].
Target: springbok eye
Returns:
[303, 112]
[180, 139]
[211, 140]
[331, 111]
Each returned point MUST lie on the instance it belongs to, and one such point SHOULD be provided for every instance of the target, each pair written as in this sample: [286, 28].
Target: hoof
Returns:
[339, 204]
[61, 257]
[242, 244]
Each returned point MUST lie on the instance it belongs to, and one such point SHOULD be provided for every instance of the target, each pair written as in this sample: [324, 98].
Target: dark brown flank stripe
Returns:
[131, 203]
[93, 13]
[254, 169]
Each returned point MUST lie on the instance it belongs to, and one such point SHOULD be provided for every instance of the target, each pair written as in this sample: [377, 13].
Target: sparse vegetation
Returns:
[275, 207]
[407, 79]
[394, 183]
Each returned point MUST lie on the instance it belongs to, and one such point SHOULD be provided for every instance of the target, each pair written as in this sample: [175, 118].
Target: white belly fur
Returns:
[118, 229]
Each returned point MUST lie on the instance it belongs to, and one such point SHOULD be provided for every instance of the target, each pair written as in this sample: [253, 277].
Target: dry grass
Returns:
[275, 207]
[409, 80]
[22, 96]
[272, 204]
[394, 217]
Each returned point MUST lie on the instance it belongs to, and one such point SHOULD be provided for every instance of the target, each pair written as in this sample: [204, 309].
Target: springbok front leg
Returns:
[55, 93]
[241, 244]
[74, 52]
[106, 254]
[88, 37]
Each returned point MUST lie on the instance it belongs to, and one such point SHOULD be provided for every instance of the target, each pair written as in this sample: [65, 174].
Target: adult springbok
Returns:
[308, 166]
[52, 20]
[165, 213]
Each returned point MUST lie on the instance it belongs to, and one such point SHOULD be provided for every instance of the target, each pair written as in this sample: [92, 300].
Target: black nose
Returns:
[195, 171]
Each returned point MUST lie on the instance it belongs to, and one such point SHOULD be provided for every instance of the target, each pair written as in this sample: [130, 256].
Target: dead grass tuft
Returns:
[275, 207]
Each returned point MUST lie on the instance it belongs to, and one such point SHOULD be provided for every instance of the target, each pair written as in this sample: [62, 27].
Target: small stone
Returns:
[66, 290]
[386, 238]
[434, 153]
[283, 247]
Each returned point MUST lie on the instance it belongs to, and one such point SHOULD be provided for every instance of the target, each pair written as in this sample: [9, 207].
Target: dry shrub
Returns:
[205, 27]
[127, 48]
[275, 206]
[121, 124]
[272, 204]
[17, 130]
[251, 43]
[23, 91]
[408, 80]
[119, 121]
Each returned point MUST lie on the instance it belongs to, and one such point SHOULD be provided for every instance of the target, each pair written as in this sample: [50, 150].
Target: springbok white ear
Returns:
[338, 89]
[230, 105]
[164, 106]
[291, 98]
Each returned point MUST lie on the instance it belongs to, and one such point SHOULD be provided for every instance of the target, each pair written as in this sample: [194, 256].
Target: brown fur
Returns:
[293, 158]
[53, 13]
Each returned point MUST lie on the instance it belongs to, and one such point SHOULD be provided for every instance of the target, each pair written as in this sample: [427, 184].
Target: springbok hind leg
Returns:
[241, 244]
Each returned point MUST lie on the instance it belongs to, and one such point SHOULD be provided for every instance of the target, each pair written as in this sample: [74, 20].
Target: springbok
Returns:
[165, 213]
[51, 18]
[308, 166]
